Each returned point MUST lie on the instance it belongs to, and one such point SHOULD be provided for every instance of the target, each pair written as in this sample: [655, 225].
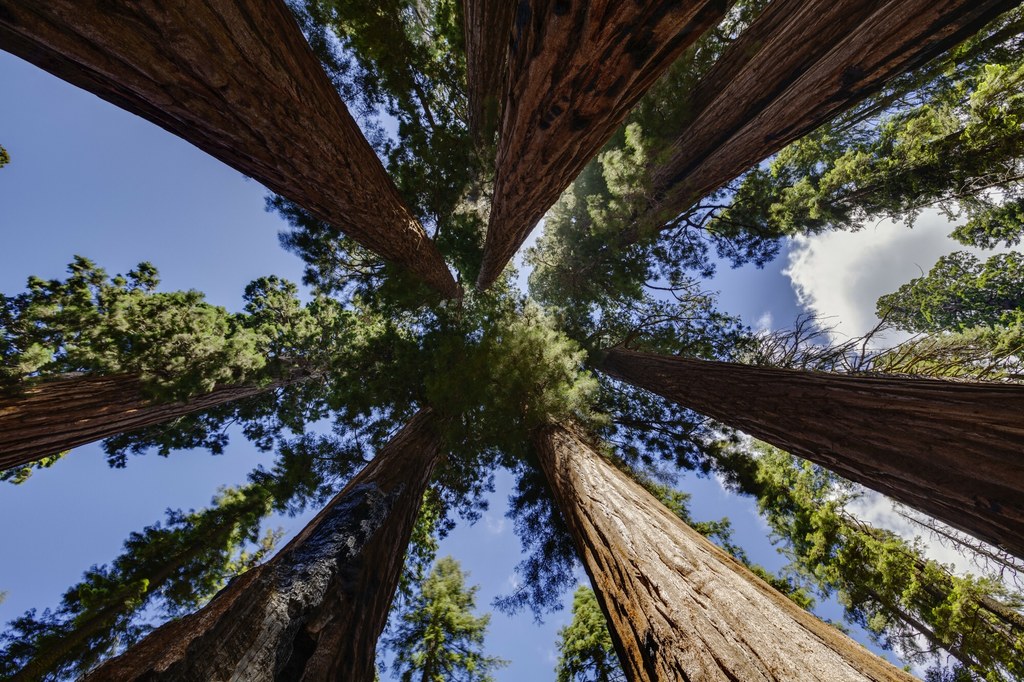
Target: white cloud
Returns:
[764, 322]
[838, 276]
[494, 523]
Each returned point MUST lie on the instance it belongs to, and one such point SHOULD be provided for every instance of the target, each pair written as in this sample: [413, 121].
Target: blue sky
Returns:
[86, 178]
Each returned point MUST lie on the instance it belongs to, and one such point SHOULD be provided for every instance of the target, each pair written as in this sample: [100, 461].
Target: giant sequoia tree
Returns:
[656, 115]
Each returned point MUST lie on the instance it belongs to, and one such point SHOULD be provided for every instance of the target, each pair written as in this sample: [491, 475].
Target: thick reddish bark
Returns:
[60, 414]
[313, 612]
[678, 607]
[237, 79]
[487, 27]
[575, 71]
[801, 63]
[952, 450]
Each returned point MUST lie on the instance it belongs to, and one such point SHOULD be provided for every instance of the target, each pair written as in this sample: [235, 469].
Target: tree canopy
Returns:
[375, 336]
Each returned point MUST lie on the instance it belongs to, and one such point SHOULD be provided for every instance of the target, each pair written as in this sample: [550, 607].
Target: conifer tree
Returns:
[680, 608]
[176, 565]
[959, 293]
[93, 356]
[885, 582]
[316, 609]
[437, 638]
[494, 370]
[585, 649]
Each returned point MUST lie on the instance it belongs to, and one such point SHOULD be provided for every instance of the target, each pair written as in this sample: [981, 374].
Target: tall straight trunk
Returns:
[798, 65]
[952, 450]
[60, 414]
[575, 71]
[313, 612]
[237, 79]
[678, 607]
[487, 27]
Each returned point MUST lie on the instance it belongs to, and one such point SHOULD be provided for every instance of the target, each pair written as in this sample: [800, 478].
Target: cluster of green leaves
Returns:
[5, 158]
[980, 353]
[177, 343]
[435, 637]
[946, 134]
[885, 582]
[959, 147]
[177, 564]
[960, 293]
[585, 649]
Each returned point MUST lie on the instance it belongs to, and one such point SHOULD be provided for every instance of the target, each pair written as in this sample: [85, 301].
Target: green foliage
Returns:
[885, 582]
[5, 158]
[952, 138]
[373, 345]
[178, 344]
[959, 293]
[979, 353]
[585, 649]
[178, 564]
[436, 637]
[988, 227]
[406, 58]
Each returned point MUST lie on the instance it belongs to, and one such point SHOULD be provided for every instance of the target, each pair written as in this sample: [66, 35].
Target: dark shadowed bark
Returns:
[678, 607]
[237, 79]
[487, 29]
[952, 450]
[801, 63]
[575, 71]
[60, 414]
[313, 612]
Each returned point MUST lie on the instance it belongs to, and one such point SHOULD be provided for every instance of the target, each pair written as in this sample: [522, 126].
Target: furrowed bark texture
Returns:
[487, 28]
[952, 450]
[315, 611]
[60, 414]
[800, 64]
[237, 79]
[575, 71]
[678, 607]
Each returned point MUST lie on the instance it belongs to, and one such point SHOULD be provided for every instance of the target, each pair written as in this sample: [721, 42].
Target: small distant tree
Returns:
[585, 649]
[437, 638]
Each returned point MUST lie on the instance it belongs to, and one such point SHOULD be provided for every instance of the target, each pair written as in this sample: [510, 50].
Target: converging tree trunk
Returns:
[952, 450]
[487, 26]
[60, 414]
[575, 71]
[313, 612]
[797, 66]
[678, 607]
[237, 79]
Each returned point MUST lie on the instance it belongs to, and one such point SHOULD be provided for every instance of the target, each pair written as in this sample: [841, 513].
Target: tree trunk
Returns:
[678, 607]
[314, 612]
[60, 414]
[952, 450]
[800, 64]
[575, 71]
[487, 27]
[237, 79]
